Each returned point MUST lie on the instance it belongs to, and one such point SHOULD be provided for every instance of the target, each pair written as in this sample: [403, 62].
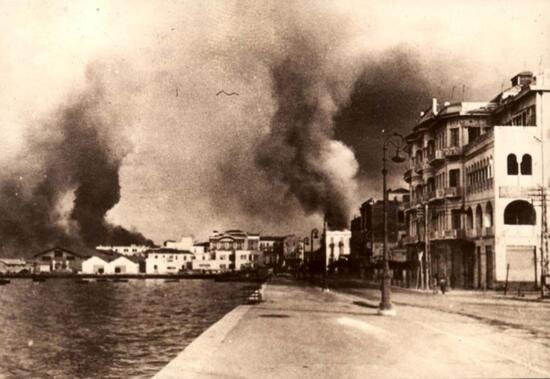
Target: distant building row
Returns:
[225, 251]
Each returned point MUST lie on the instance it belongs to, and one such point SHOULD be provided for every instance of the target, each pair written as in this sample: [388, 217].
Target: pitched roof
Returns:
[79, 251]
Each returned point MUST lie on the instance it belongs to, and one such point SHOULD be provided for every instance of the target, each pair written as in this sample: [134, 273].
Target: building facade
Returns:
[476, 175]
[110, 264]
[336, 244]
[272, 250]
[237, 249]
[168, 261]
[14, 266]
[59, 259]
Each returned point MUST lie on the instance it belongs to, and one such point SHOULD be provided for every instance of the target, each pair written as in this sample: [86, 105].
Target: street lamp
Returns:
[397, 141]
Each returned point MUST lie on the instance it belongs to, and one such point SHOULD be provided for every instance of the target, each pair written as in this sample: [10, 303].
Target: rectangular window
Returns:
[454, 178]
[455, 140]
[473, 134]
[455, 218]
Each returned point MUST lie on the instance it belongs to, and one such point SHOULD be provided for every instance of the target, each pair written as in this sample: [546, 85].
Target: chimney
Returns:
[434, 106]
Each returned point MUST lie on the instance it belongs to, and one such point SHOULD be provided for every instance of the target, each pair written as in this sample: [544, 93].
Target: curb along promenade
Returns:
[301, 332]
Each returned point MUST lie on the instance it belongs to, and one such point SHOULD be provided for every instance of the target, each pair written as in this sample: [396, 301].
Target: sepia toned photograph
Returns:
[274, 189]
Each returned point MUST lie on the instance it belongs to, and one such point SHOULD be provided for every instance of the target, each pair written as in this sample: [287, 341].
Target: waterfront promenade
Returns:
[301, 332]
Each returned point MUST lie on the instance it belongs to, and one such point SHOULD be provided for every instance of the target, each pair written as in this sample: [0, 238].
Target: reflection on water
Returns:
[63, 329]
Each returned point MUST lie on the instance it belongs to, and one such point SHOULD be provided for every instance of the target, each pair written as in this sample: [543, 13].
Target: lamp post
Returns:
[386, 308]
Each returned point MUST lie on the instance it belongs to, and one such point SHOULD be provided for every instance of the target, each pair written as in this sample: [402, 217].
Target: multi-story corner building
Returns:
[238, 248]
[476, 180]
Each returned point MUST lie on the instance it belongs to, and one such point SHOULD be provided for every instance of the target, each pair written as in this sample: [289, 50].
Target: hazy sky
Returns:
[188, 165]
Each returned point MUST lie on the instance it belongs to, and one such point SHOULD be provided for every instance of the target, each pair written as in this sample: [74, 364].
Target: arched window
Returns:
[512, 164]
[526, 168]
[470, 218]
[489, 214]
[479, 217]
[519, 212]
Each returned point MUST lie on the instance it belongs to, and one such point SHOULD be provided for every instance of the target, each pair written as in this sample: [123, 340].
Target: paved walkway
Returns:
[301, 332]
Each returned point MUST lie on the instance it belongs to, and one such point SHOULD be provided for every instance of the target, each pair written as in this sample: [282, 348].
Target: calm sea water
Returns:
[61, 329]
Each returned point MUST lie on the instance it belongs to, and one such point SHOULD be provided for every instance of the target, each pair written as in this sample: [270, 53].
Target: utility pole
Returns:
[427, 249]
[543, 243]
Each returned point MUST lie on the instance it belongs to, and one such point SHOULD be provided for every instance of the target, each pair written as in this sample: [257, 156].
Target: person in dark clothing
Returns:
[443, 284]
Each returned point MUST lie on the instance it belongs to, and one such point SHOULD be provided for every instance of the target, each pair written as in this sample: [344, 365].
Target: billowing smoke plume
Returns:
[67, 179]
[300, 150]
[297, 167]
[306, 74]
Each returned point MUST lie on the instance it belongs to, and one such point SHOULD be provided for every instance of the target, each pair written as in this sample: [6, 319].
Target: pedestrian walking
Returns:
[443, 284]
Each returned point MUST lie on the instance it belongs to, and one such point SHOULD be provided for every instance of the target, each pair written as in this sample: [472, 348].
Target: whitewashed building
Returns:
[336, 244]
[13, 265]
[110, 264]
[227, 251]
[168, 261]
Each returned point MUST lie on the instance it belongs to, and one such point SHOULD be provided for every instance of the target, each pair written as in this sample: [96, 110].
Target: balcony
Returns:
[452, 151]
[453, 234]
[436, 157]
[453, 192]
[437, 195]
[428, 170]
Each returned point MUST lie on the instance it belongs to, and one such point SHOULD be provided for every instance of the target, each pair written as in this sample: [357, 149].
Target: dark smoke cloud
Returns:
[386, 97]
[76, 155]
[299, 147]
[297, 167]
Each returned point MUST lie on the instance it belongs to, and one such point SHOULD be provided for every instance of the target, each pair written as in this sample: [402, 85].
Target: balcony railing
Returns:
[452, 192]
[453, 234]
[436, 157]
[471, 233]
[437, 195]
[453, 151]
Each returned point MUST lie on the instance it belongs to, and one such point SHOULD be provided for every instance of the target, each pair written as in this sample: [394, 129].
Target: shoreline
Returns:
[191, 361]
